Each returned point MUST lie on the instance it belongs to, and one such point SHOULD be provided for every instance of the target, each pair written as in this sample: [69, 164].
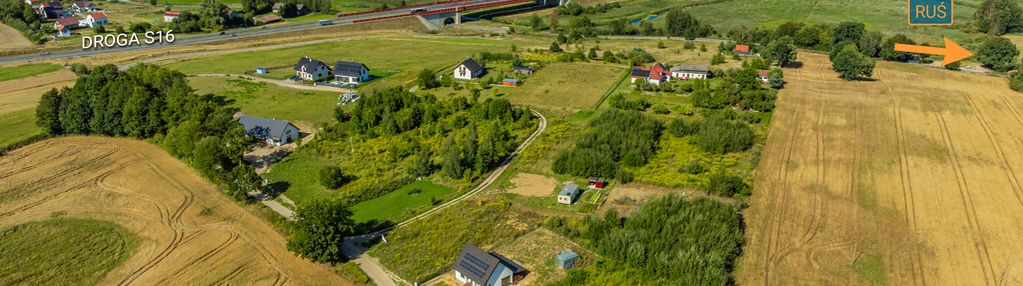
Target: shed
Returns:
[522, 70]
[568, 194]
[510, 82]
[260, 70]
[566, 259]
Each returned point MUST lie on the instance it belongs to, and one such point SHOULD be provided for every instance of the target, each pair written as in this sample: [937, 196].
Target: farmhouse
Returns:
[170, 16]
[568, 194]
[475, 267]
[685, 72]
[350, 72]
[270, 131]
[762, 75]
[266, 19]
[742, 50]
[311, 70]
[656, 74]
[83, 7]
[98, 18]
[469, 69]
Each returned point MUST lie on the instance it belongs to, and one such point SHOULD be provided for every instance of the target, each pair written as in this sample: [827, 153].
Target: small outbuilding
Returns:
[685, 72]
[742, 50]
[510, 82]
[568, 194]
[763, 75]
[522, 70]
[475, 267]
[170, 16]
[597, 183]
[566, 259]
[260, 70]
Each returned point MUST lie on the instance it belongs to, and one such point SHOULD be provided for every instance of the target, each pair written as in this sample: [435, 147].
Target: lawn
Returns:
[402, 57]
[572, 85]
[403, 202]
[12, 73]
[297, 175]
[272, 101]
[18, 126]
[63, 251]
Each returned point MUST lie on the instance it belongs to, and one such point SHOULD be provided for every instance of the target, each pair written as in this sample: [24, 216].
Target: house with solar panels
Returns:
[476, 267]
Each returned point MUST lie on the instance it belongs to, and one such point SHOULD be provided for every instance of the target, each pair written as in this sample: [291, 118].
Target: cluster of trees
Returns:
[147, 101]
[739, 88]
[715, 134]
[670, 239]
[319, 230]
[576, 9]
[998, 17]
[210, 16]
[616, 137]
[21, 17]
[677, 23]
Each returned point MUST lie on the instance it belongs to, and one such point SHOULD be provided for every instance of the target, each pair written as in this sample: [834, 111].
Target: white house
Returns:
[685, 72]
[271, 131]
[170, 16]
[475, 267]
[83, 7]
[311, 70]
[64, 25]
[469, 69]
[762, 75]
[568, 194]
[94, 19]
[350, 72]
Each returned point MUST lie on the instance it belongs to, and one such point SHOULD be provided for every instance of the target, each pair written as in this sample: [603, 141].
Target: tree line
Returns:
[150, 102]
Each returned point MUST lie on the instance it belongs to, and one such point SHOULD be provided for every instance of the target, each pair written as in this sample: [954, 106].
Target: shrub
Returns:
[727, 185]
[683, 127]
[332, 177]
[692, 167]
[1016, 81]
[721, 136]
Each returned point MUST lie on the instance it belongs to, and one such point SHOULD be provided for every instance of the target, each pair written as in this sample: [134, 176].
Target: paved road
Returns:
[233, 34]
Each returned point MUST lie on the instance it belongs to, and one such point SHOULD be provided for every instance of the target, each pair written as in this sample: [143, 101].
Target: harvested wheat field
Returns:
[12, 39]
[909, 179]
[188, 232]
[24, 93]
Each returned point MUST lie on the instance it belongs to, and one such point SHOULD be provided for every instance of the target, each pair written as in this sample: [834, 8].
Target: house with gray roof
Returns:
[685, 72]
[568, 194]
[476, 267]
[350, 72]
[271, 131]
[311, 69]
[469, 69]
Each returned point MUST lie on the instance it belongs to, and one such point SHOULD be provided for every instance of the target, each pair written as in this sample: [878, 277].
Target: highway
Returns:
[240, 33]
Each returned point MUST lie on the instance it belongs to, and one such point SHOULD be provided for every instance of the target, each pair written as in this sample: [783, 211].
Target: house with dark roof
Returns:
[476, 267]
[568, 194]
[684, 72]
[83, 7]
[51, 10]
[350, 72]
[469, 69]
[655, 74]
[271, 131]
[311, 70]
[266, 19]
[522, 70]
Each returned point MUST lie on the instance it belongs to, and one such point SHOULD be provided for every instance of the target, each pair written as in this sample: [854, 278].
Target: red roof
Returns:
[68, 21]
[763, 72]
[658, 68]
[742, 49]
[99, 15]
[171, 13]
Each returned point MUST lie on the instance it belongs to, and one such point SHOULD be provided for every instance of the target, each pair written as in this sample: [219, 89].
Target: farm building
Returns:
[311, 70]
[266, 19]
[98, 18]
[656, 74]
[83, 7]
[566, 259]
[300, 9]
[522, 70]
[476, 267]
[270, 131]
[469, 69]
[510, 82]
[762, 75]
[350, 72]
[742, 50]
[568, 194]
[597, 183]
[685, 72]
[170, 16]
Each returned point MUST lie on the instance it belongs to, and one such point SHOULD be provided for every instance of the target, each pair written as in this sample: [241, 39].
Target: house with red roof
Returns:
[98, 18]
[170, 16]
[64, 26]
[655, 74]
[742, 50]
[762, 75]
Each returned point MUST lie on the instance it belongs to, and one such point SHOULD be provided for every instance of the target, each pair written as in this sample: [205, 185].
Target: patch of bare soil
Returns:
[533, 185]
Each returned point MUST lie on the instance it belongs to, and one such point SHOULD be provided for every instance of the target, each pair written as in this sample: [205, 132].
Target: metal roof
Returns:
[690, 68]
[309, 63]
[352, 69]
[264, 127]
[567, 255]
[569, 190]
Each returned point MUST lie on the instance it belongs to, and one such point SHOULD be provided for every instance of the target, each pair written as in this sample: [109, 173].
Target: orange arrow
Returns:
[951, 51]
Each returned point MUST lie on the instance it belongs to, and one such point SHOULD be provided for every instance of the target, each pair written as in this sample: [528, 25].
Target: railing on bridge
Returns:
[433, 12]
[339, 15]
[472, 7]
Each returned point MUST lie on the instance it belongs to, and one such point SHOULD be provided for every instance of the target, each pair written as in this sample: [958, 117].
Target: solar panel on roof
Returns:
[475, 265]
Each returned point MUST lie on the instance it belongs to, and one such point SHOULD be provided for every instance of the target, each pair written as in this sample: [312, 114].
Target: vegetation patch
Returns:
[18, 126]
[12, 73]
[63, 251]
[403, 202]
[270, 101]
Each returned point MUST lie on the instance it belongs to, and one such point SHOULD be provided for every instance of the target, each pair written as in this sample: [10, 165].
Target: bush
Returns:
[693, 167]
[683, 127]
[1016, 81]
[998, 53]
[727, 185]
[720, 136]
[332, 177]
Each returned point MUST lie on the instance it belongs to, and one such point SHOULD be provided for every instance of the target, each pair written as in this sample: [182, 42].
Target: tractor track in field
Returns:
[966, 197]
[775, 229]
[997, 147]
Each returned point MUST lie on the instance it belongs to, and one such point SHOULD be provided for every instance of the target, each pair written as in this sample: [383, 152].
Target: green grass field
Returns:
[300, 172]
[63, 251]
[402, 56]
[11, 73]
[18, 126]
[401, 203]
[575, 85]
[272, 101]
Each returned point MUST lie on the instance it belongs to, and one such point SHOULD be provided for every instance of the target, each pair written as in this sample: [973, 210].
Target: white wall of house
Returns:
[168, 18]
[565, 200]
[314, 75]
[499, 274]
[688, 75]
[462, 72]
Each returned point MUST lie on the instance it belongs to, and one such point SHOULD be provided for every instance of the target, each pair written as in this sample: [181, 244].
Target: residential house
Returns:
[33, 3]
[66, 22]
[270, 131]
[98, 18]
[170, 16]
[655, 74]
[83, 7]
[311, 70]
[229, 12]
[685, 72]
[350, 72]
[51, 10]
[742, 50]
[566, 259]
[522, 70]
[476, 267]
[266, 19]
[568, 194]
[63, 31]
[762, 75]
[469, 69]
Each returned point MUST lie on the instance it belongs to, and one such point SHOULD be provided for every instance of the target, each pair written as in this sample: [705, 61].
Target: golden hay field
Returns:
[190, 233]
[12, 39]
[909, 179]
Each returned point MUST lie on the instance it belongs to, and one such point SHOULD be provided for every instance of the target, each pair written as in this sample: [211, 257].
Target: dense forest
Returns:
[617, 137]
[670, 241]
[150, 102]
